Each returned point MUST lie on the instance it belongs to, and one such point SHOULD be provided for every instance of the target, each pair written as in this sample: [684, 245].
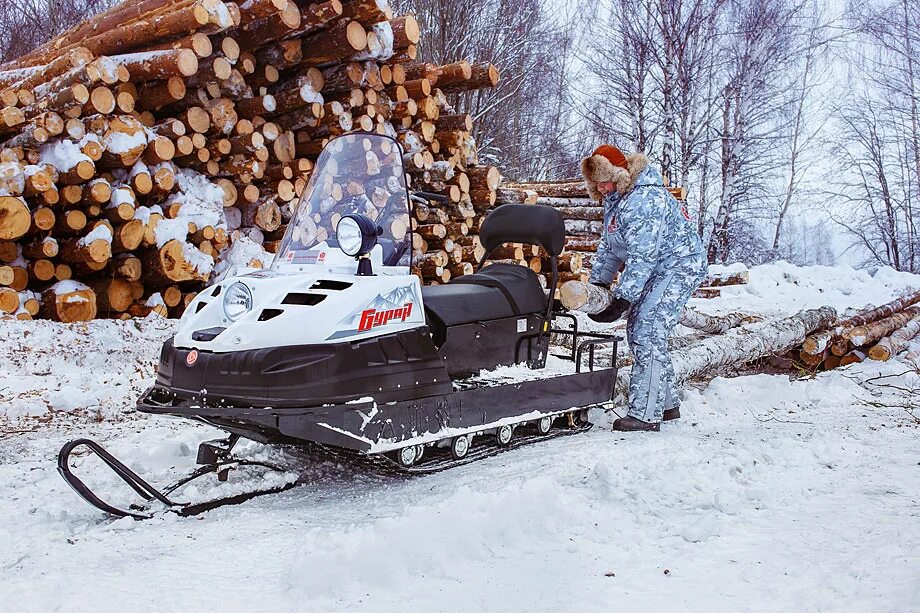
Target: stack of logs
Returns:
[100, 127]
[878, 333]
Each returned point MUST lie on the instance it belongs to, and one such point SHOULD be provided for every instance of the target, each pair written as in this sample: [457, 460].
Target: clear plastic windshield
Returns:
[355, 174]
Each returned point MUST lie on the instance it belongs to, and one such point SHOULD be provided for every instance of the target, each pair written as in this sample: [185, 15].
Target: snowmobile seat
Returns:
[456, 304]
[499, 290]
[519, 285]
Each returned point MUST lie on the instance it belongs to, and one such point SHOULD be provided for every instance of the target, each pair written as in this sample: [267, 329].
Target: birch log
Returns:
[913, 354]
[837, 337]
[749, 343]
[711, 355]
[876, 330]
[897, 342]
[713, 324]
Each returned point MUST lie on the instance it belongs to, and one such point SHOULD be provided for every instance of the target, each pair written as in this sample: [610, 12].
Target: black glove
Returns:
[613, 312]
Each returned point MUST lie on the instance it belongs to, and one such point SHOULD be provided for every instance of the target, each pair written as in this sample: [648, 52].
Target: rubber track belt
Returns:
[148, 492]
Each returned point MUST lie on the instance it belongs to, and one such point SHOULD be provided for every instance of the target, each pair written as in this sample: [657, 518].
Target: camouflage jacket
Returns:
[649, 231]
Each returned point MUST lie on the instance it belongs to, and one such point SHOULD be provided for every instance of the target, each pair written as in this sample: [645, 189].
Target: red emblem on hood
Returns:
[371, 318]
[192, 357]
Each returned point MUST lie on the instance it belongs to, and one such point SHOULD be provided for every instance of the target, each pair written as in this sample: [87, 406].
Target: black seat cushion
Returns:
[519, 284]
[456, 304]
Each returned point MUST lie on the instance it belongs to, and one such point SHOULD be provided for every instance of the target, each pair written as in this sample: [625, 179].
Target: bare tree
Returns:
[25, 24]
[523, 122]
[758, 58]
[879, 135]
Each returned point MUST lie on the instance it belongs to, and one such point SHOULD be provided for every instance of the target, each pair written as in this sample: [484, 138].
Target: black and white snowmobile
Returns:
[338, 345]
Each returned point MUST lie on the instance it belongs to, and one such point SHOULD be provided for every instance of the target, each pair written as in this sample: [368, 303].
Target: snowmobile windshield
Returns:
[355, 174]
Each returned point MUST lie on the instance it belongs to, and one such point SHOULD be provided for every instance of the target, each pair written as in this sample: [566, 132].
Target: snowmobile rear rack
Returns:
[595, 339]
[216, 456]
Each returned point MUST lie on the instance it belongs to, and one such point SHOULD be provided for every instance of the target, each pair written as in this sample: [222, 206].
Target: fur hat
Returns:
[607, 163]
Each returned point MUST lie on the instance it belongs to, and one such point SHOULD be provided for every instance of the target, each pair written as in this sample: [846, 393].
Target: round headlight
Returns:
[350, 236]
[237, 301]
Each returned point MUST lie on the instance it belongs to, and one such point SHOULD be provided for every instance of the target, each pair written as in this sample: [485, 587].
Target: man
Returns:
[646, 229]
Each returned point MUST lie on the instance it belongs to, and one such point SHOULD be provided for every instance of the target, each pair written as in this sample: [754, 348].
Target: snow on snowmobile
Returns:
[339, 346]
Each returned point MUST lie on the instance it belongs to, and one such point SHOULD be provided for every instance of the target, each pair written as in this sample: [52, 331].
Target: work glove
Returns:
[613, 312]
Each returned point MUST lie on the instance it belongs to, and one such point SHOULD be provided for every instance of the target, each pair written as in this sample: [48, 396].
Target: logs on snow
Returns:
[100, 127]
[879, 332]
[751, 342]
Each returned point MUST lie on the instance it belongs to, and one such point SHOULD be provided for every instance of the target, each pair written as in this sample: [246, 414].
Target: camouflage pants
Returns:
[652, 388]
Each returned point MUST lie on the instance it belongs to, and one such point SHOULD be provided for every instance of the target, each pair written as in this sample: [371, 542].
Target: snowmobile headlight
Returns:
[357, 234]
[237, 301]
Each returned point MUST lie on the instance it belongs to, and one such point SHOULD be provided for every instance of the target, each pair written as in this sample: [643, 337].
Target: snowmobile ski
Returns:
[223, 464]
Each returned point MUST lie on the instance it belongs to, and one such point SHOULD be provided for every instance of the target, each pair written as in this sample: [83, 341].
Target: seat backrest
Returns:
[534, 224]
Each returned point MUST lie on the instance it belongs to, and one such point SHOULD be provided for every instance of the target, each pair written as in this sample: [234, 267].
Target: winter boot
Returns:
[631, 424]
[671, 414]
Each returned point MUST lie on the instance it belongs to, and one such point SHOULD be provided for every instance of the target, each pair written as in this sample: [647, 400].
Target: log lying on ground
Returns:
[913, 354]
[725, 279]
[896, 343]
[749, 343]
[817, 343]
[714, 324]
[68, 301]
[876, 330]
[710, 356]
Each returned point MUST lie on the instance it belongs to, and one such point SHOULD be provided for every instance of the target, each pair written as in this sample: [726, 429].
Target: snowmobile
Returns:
[338, 345]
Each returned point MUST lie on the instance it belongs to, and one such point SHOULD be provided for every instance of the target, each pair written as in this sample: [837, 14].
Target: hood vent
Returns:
[303, 299]
[208, 334]
[267, 314]
[326, 284]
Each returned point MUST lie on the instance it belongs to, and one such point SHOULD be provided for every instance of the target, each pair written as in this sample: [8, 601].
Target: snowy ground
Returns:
[769, 495]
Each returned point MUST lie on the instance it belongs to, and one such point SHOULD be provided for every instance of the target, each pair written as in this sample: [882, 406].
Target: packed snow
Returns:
[771, 494]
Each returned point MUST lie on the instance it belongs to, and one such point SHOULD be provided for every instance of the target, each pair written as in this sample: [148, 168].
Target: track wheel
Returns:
[407, 456]
[503, 435]
[419, 452]
[460, 446]
[544, 425]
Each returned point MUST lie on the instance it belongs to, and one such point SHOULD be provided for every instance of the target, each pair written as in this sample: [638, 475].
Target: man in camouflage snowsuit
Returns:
[646, 229]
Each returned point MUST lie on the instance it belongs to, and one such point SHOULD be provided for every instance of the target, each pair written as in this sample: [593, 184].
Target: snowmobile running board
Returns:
[221, 465]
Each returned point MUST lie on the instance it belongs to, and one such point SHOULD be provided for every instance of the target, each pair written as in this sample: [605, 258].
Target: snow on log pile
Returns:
[138, 145]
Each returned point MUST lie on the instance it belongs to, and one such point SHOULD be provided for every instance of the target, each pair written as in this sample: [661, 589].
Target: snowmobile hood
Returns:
[308, 308]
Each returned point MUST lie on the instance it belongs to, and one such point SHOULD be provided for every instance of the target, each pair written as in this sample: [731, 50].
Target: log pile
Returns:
[878, 333]
[138, 145]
